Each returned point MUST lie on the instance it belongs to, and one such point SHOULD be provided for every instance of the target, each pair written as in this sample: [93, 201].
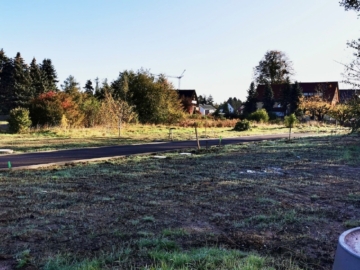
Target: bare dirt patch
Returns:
[281, 200]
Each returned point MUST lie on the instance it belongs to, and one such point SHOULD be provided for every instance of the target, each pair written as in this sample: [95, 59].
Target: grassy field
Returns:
[268, 205]
[57, 138]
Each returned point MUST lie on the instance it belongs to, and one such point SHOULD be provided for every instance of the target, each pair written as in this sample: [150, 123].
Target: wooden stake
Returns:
[197, 138]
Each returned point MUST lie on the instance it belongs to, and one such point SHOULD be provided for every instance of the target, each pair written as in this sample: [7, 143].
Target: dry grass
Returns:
[58, 138]
[287, 202]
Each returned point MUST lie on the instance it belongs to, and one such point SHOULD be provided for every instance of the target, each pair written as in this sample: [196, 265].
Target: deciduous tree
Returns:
[274, 68]
[351, 4]
[352, 70]
[115, 112]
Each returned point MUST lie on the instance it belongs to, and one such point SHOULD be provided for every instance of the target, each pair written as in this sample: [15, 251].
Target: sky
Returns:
[218, 43]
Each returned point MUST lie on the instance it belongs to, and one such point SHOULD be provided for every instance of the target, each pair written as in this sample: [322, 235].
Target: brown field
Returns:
[285, 203]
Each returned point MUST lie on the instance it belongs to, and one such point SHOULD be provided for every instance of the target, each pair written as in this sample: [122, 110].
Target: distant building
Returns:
[189, 100]
[329, 91]
[206, 109]
[348, 94]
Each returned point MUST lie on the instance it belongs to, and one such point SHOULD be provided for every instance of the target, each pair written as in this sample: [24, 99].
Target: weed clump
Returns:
[242, 125]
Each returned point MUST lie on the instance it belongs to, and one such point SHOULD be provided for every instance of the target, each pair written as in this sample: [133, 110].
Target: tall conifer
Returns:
[268, 99]
[37, 84]
[6, 76]
[22, 83]
[49, 75]
[250, 103]
[296, 94]
[89, 89]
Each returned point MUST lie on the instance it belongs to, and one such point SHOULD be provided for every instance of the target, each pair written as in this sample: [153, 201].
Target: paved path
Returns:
[41, 159]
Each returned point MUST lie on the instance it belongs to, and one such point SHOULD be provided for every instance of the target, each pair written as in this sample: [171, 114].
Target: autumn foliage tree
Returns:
[46, 109]
[315, 107]
[115, 112]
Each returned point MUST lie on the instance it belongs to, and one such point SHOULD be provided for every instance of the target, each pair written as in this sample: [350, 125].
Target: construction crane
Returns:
[176, 77]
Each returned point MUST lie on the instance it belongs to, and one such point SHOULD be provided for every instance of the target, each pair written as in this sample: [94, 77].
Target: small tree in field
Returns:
[19, 120]
[289, 122]
[115, 112]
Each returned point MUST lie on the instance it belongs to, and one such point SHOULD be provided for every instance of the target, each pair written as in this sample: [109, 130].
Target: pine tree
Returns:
[210, 100]
[70, 86]
[97, 86]
[49, 75]
[22, 83]
[6, 82]
[296, 94]
[268, 99]
[37, 84]
[286, 95]
[250, 103]
[89, 89]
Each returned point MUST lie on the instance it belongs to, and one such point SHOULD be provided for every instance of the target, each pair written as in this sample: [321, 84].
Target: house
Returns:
[328, 90]
[230, 108]
[206, 109]
[348, 94]
[189, 100]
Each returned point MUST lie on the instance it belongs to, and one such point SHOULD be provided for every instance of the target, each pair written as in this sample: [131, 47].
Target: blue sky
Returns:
[217, 42]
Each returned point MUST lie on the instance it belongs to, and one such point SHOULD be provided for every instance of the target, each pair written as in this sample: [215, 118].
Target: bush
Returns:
[242, 125]
[259, 116]
[19, 120]
[290, 121]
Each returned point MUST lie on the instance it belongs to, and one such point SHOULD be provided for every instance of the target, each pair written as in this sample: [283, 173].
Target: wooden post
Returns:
[171, 137]
[119, 127]
[289, 132]
[197, 138]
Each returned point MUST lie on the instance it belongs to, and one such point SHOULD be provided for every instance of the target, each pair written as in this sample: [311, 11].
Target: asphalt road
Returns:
[41, 159]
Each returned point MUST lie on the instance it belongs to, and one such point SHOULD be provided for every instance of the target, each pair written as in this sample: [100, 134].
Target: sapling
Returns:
[290, 122]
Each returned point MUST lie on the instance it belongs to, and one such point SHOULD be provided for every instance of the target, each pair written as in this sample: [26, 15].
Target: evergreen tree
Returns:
[268, 100]
[120, 86]
[210, 100]
[250, 103]
[37, 84]
[286, 95]
[22, 83]
[105, 88]
[296, 94]
[70, 86]
[49, 75]
[6, 83]
[202, 99]
[97, 86]
[89, 89]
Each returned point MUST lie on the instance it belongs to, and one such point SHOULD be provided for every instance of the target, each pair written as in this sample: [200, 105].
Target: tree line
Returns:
[135, 96]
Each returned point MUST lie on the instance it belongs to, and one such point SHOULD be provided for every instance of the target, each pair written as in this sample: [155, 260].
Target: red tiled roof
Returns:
[329, 89]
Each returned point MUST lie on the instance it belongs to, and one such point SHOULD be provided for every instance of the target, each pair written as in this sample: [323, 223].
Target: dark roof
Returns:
[187, 93]
[308, 87]
[347, 94]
